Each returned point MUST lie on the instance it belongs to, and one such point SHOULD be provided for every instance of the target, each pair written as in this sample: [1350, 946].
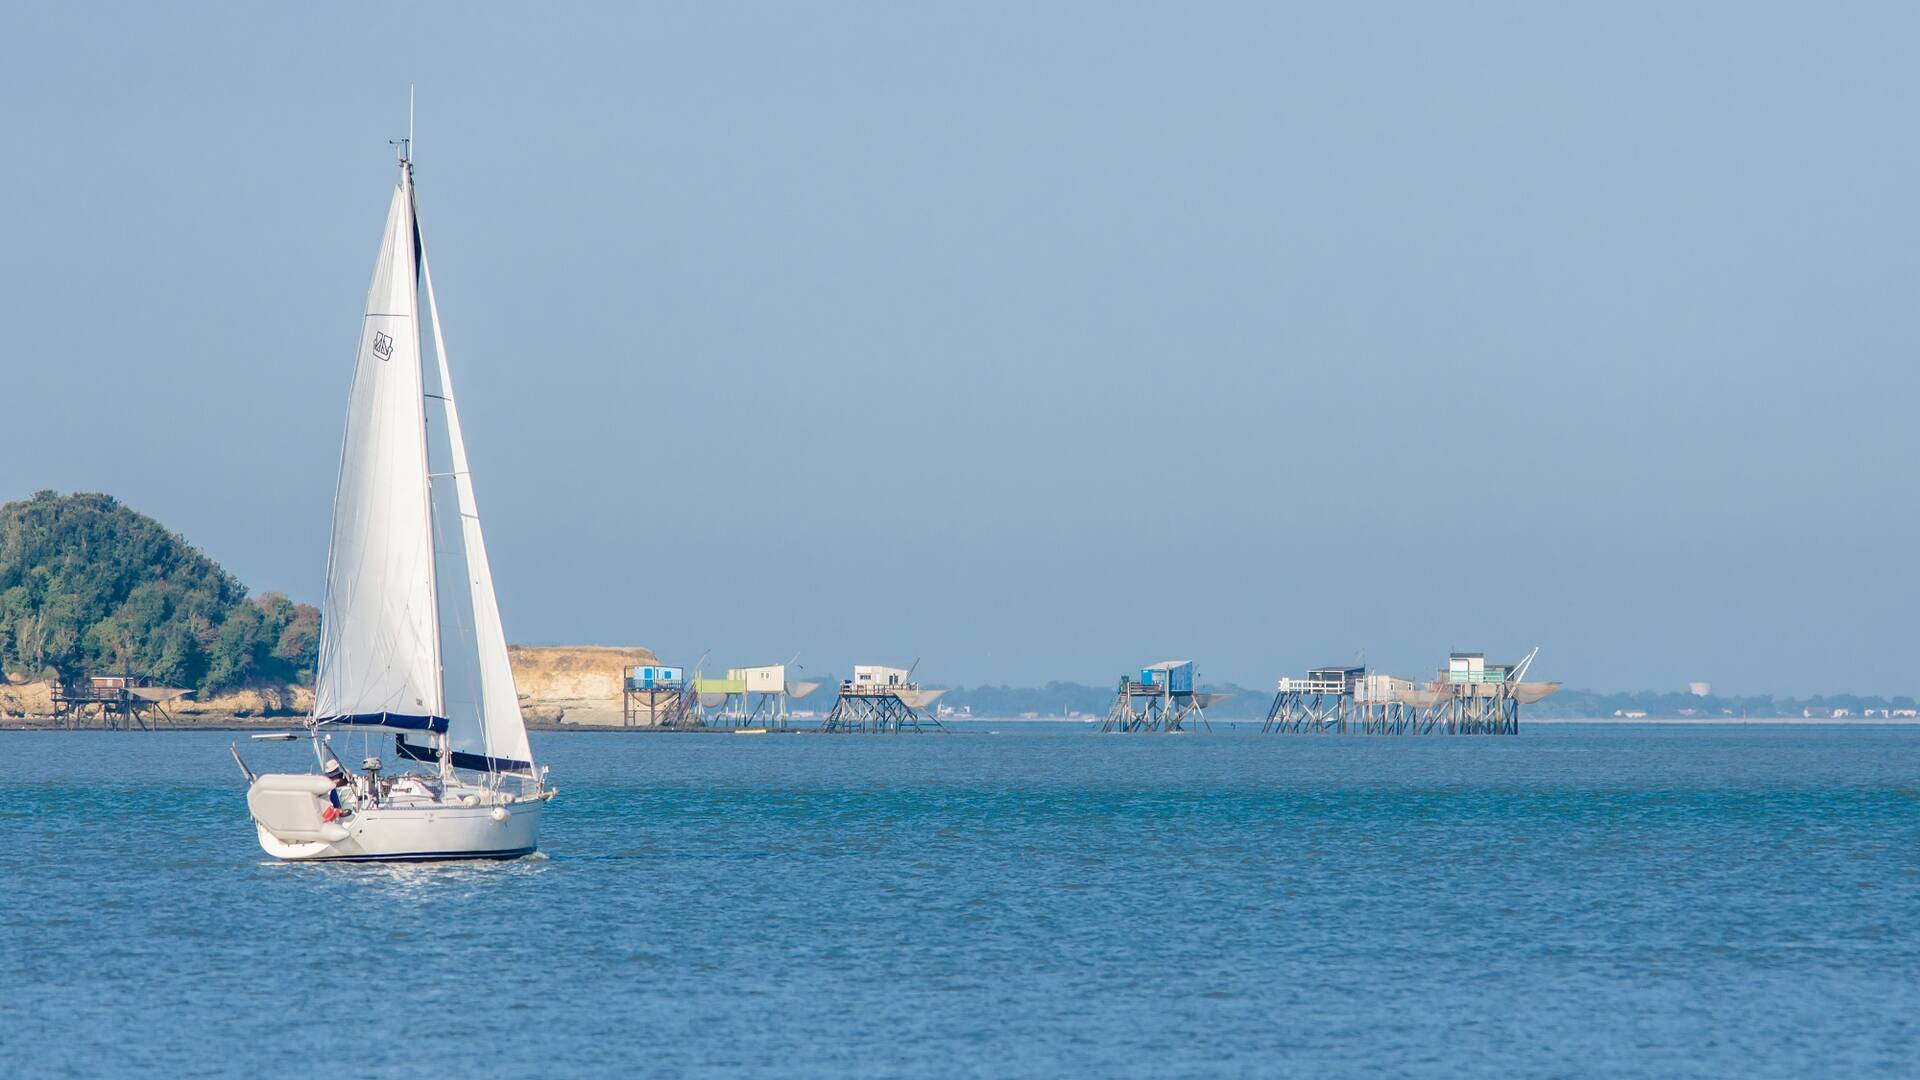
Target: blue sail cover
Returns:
[475, 762]
[398, 721]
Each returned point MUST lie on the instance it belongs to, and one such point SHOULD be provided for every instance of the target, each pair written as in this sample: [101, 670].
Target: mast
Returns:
[439, 739]
[426, 471]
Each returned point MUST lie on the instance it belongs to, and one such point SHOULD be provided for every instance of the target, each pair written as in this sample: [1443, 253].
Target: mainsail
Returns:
[412, 637]
[378, 644]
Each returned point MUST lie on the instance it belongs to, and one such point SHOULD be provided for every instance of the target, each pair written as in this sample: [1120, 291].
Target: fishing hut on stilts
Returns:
[1342, 699]
[656, 695]
[1473, 697]
[719, 702]
[1468, 697]
[1162, 699]
[767, 693]
[114, 702]
[752, 697]
[882, 700]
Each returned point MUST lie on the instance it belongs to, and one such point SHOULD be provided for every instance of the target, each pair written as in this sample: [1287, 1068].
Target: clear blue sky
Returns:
[1035, 341]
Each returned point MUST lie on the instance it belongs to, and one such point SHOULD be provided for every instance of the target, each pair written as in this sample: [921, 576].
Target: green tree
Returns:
[87, 585]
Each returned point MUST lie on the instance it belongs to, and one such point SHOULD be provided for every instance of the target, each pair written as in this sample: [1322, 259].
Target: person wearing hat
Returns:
[338, 775]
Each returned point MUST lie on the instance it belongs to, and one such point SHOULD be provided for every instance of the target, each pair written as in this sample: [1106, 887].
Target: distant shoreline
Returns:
[285, 723]
[1529, 721]
[1736, 721]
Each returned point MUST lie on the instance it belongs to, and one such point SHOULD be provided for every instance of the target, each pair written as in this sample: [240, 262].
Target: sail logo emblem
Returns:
[382, 346]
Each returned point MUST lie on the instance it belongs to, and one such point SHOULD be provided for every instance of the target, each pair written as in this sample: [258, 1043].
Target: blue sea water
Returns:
[1574, 901]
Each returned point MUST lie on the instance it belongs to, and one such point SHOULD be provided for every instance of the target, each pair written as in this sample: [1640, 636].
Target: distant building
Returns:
[1700, 689]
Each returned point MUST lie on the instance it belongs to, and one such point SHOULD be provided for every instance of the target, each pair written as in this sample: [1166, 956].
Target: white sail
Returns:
[379, 647]
[412, 637]
[483, 706]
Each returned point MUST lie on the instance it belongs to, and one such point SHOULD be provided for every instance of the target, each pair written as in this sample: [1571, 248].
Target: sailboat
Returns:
[411, 640]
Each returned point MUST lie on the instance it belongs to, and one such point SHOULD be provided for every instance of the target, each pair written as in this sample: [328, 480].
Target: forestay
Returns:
[483, 706]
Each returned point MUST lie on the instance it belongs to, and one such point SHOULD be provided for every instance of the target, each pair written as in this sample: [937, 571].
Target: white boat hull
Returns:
[420, 834]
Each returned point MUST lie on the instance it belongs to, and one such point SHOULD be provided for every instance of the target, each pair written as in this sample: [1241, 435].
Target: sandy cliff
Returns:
[573, 684]
[25, 699]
